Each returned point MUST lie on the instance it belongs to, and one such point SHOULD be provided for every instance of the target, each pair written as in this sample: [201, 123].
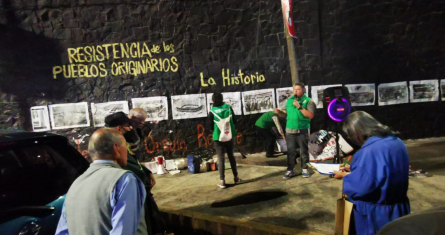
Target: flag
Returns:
[287, 14]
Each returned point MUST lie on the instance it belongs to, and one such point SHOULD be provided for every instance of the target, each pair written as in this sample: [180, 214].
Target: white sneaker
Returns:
[222, 184]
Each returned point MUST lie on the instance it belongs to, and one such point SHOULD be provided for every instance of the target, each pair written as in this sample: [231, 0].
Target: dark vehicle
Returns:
[36, 171]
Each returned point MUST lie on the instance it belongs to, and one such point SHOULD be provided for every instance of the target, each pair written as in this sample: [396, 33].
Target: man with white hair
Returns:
[106, 199]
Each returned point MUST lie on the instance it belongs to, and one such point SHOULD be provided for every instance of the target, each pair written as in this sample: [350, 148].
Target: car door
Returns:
[34, 178]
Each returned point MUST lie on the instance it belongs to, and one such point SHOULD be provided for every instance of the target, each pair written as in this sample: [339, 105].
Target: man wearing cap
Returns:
[123, 124]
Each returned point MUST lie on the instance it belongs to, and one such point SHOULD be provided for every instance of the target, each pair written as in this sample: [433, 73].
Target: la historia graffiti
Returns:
[207, 141]
[136, 56]
[233, 80]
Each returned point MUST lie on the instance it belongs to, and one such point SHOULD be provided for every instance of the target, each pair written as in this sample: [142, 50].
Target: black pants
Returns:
[221, 149]
[268, 138]
[301, 140]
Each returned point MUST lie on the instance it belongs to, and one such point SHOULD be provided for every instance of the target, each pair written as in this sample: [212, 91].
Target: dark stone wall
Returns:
[339, 42]
[387, 41]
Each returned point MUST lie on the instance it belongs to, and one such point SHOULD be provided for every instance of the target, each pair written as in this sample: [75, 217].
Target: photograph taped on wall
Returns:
[101, 110]
[317, 94]
[258, 101]
[189, 106]
[393, 93]
[156, 107]
[69, 115]
[231, 98]
[362, 94]
[442, 89]
[424, 91]
[40, 118]
[285, 93]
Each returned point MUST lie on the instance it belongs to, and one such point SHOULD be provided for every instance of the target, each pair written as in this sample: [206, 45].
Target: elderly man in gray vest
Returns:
[106, 199]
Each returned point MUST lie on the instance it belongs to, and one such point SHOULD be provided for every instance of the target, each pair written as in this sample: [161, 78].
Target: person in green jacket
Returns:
[222, 121]
[263, 128]
[299, 110]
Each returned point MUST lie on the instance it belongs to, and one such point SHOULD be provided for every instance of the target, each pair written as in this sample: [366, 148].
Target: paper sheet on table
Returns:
[326, 168]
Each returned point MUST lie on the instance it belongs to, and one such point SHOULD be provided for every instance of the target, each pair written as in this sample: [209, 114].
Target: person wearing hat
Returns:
[123, 124]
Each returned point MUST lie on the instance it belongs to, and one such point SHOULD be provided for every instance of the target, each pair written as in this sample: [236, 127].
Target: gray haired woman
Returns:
[377, 184]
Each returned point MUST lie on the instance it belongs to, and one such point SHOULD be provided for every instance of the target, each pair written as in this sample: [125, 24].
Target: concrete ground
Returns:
[267, 202]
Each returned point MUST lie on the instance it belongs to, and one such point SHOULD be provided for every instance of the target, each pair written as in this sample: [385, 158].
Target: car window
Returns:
[38, 174]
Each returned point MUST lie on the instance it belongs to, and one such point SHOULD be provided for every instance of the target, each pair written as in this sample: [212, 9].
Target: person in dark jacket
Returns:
[153, 223]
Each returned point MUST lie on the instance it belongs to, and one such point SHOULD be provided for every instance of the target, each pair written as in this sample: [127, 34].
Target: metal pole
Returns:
[292, 55]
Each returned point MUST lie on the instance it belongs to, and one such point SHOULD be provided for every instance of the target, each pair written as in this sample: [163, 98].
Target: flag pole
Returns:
[291, 51]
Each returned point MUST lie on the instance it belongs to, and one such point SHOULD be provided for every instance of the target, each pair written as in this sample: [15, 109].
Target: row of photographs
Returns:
[73, 115]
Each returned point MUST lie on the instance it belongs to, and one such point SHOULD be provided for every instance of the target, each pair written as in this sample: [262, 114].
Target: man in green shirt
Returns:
[300, 110]
[263, 127]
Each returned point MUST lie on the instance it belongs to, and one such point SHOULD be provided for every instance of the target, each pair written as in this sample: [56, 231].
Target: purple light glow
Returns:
[341, 111]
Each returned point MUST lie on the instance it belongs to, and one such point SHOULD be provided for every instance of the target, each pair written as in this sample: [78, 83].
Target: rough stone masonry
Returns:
[90, 47]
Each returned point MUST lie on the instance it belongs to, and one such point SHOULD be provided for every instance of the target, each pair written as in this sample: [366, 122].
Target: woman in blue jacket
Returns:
[377, 184]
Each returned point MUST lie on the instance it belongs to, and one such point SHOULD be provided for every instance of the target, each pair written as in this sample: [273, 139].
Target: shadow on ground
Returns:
[316, 215]
[250, 198]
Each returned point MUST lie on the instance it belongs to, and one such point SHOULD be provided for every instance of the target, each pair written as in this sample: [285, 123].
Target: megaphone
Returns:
[161, 165]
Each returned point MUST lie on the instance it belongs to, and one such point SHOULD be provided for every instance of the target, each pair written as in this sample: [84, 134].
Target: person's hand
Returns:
[346, 168]
[296, 104]
[339, 174]
[152, 181]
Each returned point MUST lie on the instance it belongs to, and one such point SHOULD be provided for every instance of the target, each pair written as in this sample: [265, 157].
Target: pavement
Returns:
[265, 203]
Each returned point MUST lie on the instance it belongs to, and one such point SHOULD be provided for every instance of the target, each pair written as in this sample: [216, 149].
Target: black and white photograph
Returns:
[101, 110]
[317, 94]
[284, 93]
[156, 107]
[442, 89]
[71, 115]
[393, 93]
[40, 118]
[258, 101]
[424, 91]
[189, 106]
[362, 94]
[231, 98]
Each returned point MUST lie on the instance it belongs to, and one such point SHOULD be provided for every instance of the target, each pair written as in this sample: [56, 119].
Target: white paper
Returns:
[156, 107]
[189, 106]
[393, 93]
[231, 98]
[283, 94]
[326, 168]
[424, 91]
[442, 89]
[40, 118]
[362, 94]
[69, 115]
[102, 110]
[258, 101]
[317, 94]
